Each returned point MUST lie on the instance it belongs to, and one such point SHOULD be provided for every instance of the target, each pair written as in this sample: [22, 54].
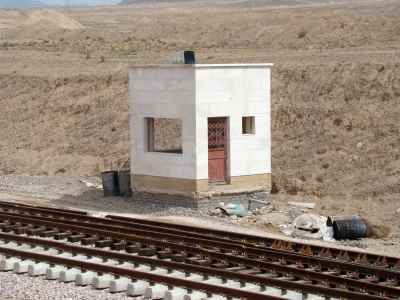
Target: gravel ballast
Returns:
[23, 287]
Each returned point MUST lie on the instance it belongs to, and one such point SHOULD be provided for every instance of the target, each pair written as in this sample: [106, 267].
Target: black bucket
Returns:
[350, 229]
[124, 183]
[110, 183]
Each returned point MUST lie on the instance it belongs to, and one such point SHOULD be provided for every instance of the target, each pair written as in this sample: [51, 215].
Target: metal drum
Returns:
[351, 229]
[110, 183]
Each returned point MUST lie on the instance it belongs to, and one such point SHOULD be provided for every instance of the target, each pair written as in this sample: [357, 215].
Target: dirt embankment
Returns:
[335, 127]
[67, 126]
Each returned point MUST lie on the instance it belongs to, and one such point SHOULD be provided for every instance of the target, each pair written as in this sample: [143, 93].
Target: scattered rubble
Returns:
[297, 220]
[276, 219]
[309, 205]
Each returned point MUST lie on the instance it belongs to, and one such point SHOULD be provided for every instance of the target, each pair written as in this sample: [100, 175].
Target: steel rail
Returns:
[108, 222]
[381, 273]
[170, 265]
[278, 268]
[43, 208]
[154, 278]
[288, 246]
[222, 236]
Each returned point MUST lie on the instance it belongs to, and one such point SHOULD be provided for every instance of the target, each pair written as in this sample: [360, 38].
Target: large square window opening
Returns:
[248, 125]
[164, 135]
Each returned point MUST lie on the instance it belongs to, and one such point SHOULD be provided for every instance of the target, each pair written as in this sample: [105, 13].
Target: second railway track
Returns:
[187, 262]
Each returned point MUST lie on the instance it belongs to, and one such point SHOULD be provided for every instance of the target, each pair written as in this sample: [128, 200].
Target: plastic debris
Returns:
[234, 209]
[92, 184]
[309, 226]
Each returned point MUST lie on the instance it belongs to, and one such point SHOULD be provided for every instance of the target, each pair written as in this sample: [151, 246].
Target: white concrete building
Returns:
[200, 129]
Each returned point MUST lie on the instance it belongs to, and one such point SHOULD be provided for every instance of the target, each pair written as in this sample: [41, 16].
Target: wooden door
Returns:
[217, 149]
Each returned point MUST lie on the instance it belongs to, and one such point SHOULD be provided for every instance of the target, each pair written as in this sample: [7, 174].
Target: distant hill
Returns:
[230, 3]
[127, 2]
[21, 4]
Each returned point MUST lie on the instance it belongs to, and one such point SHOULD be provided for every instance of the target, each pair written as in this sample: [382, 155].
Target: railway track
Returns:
[164, 261]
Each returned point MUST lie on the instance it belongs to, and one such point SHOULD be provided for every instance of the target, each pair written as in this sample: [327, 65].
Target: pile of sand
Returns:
[52, 18]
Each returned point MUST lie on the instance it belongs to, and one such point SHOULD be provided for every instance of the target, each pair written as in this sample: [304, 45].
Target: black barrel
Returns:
[110, 183]
[350, 229]
[124, 183]
[332, 219]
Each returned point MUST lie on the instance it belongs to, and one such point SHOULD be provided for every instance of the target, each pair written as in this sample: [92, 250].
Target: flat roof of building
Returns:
[252, 65]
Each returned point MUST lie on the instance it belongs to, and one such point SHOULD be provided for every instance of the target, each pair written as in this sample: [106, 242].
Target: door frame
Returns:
[226, 149]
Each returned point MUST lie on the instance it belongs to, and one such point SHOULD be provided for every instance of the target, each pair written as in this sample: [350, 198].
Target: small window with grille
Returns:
[248, 125]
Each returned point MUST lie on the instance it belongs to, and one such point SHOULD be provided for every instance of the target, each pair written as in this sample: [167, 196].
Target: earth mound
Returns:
[53, 18]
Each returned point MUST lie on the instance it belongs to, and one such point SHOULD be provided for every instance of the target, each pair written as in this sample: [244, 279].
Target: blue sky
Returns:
[81, 2]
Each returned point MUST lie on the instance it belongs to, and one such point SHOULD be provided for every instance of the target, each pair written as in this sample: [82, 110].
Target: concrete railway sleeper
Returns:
[295, 272]
[39, 254]
[267, 244]
[72, 267]
[377, 274]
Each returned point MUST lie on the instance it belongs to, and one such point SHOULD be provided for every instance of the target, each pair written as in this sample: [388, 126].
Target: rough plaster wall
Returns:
[235, 92]
[161, 93]
[167, 134]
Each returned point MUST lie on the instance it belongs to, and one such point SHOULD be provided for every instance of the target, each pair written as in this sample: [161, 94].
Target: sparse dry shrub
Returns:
[293, 190]
[348, 125]
[317, 194]
[109, 80]
[274, 188]
[302, 34]
[60, 171]
[337, 121]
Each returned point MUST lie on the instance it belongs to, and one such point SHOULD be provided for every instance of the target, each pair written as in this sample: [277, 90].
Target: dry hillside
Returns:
[336, 89]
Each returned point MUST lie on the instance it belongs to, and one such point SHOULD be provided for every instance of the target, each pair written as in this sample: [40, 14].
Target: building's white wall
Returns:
[194, 93]
[161, 92]
[234, 92]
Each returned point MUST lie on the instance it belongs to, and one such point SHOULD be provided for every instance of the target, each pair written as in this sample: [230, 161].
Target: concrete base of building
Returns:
[168, 185]
[198, 189]
[250, 190]
[251, 200]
